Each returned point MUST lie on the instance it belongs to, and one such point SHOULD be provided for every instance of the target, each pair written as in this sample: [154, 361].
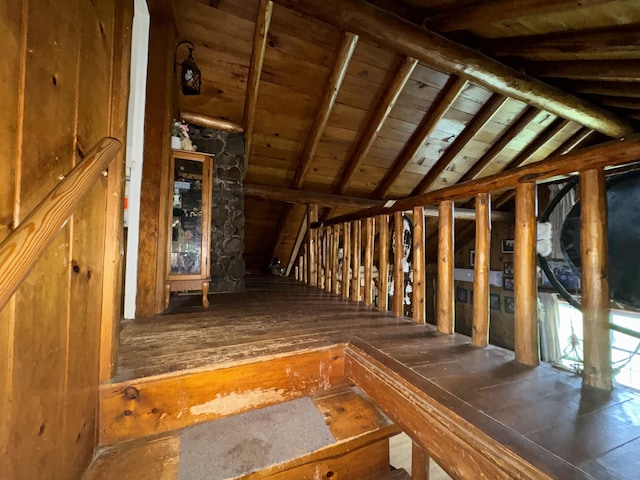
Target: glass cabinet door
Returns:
[186, 226]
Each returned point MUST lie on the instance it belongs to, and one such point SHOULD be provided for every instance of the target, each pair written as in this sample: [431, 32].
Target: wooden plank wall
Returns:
[57, 83]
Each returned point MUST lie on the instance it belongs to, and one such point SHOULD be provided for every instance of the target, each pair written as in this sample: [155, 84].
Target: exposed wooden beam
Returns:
[263, 21]
[616, 42]
[441, 104]
[621, 102]
[486, 13]
[369, 21]
[468, 214]
[288, 195]
[477, 123]
[613, 153]
[446, 246]
[211, 122]
[617, 89]
[595, 280]
[347, 46]
[608, 70]
[480, 323]
[525, 118]
[540, 141]
[376, 120]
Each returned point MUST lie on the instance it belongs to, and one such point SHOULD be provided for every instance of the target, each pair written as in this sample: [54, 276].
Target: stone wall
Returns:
[227, 206]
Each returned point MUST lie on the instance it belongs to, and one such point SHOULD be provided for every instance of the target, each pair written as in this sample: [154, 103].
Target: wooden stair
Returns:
[361, 450]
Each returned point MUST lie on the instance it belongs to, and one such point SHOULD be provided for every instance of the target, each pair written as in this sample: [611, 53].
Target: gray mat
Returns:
[251, 441]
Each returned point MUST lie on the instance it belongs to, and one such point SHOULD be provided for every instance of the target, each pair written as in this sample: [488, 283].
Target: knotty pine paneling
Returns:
[50, 330]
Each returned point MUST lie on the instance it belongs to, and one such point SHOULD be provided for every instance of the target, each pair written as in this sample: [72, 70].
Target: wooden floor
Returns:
[597, 433]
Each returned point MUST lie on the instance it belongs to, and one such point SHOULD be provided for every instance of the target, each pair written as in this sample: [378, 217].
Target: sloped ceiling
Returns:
[398, 126]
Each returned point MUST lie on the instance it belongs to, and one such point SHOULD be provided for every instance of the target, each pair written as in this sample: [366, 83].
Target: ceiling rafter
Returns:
[618, 89]
[347, 46]
[290, 195]
[441, 104]
[608, 70]
[433, 50]
[499, 11]
[525, 118]
[476, 124]
[376, 120]
[265, 9]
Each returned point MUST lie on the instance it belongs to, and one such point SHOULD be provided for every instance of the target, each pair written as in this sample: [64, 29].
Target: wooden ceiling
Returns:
[348, 99]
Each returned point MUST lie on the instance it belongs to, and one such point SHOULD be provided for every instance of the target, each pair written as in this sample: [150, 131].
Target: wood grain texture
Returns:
[480, 325]
[370, 231]
[526, 292]
[289, 195]
[419, 463]
[356, 252]
[446, 246]
[312, 240]
[383, 264]
[346, 260]
[398, 273]
[211, 122]
[595, 280]
[419, 267]
[335, 241]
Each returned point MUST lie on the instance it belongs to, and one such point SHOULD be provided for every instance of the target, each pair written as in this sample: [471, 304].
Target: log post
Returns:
[327, 258]
[320, 258]
[419, 266]
[355, 262]
[368, 261]
[296, 273]
[312, 241]
[419, 463]
[346, 259]
[398, 274]
[480, 330]
[383, 264]
[335, 241]
[305, 269]
[446, 306]
[526, 292]
[595, 280]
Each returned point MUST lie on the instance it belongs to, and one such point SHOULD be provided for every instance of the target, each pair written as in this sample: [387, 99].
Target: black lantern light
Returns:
[190, 79]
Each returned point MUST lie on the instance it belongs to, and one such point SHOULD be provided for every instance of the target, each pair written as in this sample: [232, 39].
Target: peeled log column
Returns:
[383, 264]
[398, 274]
[346, 259]
[595, 280]
[480, 330]
[312, 240]
[368, 261]
[446, 307]
[526, 292]
[335, 240]
[419, 314]
[355, 261]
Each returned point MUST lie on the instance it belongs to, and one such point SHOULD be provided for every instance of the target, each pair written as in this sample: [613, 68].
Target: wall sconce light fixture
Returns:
[190, 78]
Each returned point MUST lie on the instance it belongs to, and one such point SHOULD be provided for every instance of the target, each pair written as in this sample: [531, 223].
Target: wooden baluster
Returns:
[355, 262]
[419, 277]
[327, 259]
[346, 259]
[526, 292]
[312, 242]
[320, 258]
[368, 260]
[595, 280]
[296, 272]
[383, 264]
[419, 463]
[446, 245]
[305, 269]
[480, 330]
[398, 274]
[335, 243]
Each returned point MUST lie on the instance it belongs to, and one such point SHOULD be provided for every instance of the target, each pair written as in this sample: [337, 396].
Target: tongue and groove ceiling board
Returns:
[392, 121]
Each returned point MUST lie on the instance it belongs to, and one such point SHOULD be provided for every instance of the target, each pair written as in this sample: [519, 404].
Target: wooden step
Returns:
[361, 432]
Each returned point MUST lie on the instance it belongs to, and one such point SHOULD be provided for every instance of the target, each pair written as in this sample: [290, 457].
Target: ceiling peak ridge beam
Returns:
[607, 70]
[265, 10]
[525, 118]
[476, 124]
[377, 119]
[433, 50]
[612, 153]
[498, 11]
[436, 112]
[348, 44]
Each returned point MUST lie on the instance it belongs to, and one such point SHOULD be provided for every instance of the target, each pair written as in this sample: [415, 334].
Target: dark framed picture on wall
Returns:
[494, 301]
[507, 246]
[507, 283]
[461, 295]
[472, 258]
[508, 268]
[509, 305]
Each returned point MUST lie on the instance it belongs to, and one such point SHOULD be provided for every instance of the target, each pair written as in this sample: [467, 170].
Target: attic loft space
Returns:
[155, 291]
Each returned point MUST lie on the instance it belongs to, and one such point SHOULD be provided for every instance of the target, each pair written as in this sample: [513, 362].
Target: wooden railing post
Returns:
[383, 264]
[398, 273]
[346, 259]
[368, 261]
[480, 330]
[355, 261]
[526, 294]
[419, 266]
[446, 306]
[320, 258]
[595, 280]
[335, 241]
[312, 241]
[305, 263]
[327, 259]
[419, 463]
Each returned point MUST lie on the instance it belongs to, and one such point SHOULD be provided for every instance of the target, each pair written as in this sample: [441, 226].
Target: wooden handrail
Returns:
[613, 153]
[24, 246]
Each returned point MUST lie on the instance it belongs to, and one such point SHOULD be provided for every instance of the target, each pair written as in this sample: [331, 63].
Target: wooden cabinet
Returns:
[188, 263]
